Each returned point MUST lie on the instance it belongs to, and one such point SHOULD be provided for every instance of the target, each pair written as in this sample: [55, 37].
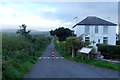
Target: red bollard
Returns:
[52, 52]
[53, 55]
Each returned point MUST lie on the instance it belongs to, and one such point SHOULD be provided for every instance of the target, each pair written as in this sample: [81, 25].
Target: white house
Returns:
[96, 30]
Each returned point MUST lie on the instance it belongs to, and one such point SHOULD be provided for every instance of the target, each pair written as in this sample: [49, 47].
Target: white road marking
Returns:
[62, 57]
[40, 58]
[48, 57]
[57, 57]
[44, 57]
[51, 57]
[52, 52]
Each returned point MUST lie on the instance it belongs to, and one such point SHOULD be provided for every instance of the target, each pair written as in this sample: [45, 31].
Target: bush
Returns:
[75, 43]
[11, 73]
[16, 56]
[109, 51]
[118, 42]
[61, 48]
[71, 43]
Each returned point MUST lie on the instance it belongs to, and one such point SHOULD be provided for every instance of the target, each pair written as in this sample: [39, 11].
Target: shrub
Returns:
[109, 51]
[75, 43]
[118, 42]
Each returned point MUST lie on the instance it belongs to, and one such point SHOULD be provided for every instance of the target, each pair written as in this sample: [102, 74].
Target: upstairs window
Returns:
[105, 29]
[87, 39]
[105, 40]
[87, 29]
[96, 29]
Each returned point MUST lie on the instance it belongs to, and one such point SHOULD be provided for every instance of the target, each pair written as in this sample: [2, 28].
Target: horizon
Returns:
[14, 29]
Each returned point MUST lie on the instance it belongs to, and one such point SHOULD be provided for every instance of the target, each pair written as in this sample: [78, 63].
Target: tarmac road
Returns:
[59, 67]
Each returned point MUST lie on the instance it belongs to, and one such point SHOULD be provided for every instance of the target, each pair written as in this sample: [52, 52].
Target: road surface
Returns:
[46, 67]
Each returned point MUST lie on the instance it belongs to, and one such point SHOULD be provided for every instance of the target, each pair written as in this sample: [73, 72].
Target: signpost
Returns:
[85, 51]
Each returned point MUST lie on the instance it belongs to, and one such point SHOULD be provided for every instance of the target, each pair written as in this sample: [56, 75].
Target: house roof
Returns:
[93, 20]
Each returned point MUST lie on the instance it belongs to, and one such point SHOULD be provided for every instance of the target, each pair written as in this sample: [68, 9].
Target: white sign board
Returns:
[85, 50]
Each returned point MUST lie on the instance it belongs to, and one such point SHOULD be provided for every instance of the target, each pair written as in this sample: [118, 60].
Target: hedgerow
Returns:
[109, 51]
[16, 54]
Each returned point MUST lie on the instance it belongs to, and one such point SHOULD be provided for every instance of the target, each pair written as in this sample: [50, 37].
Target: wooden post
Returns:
[88, 56]
[82, 56]
[72, 52]
[99, 54]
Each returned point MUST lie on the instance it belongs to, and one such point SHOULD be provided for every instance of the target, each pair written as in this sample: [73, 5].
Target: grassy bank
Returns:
[60, 47]
[19, 54]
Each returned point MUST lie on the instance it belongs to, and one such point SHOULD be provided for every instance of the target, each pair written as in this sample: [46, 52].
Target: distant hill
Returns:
[33, 32]
[9, 30]
[43, 33]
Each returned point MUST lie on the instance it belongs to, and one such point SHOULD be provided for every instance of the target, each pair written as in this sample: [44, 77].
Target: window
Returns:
[87, 39]
[96, 29]
[105, 40]
[98, 40]
[87, 29]
[105, 29]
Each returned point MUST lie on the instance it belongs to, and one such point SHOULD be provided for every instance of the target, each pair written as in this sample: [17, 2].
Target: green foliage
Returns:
[75, 43]
[102, 64]
[93, 49]
[72, 43]
[118, 36]
[15, 42]
[109, 51]
[60, 46]
[25, 67]
[11, 73]
[118, 42]
[52, 33]
[16, 56]
[22, 30]
[62, 33]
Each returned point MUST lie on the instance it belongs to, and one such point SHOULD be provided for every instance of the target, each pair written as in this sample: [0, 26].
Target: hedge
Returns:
[118, 42]
[109, 51]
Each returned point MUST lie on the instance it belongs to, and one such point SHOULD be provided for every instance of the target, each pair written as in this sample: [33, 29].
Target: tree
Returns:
[25, 33]
[62, 33]
[52, 33]
[22, 30]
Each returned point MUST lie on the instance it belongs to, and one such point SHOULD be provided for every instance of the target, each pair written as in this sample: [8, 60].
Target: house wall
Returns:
[112, 35]
[79, 30]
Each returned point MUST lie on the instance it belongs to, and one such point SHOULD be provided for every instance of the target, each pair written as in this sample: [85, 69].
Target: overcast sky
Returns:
[45, 16]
